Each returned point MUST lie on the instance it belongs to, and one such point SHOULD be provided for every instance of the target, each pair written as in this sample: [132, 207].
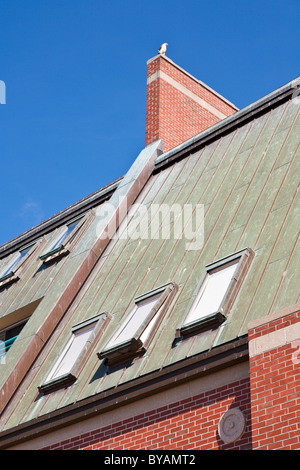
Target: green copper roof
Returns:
[246, 179]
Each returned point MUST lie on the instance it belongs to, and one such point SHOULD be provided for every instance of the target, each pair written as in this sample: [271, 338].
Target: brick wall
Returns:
[187, 424]
[179, 106]
[275, 381]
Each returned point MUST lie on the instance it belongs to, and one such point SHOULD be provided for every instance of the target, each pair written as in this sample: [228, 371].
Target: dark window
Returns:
[8, 337]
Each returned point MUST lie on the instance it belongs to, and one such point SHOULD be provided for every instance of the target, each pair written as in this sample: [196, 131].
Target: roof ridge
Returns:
[284, 92]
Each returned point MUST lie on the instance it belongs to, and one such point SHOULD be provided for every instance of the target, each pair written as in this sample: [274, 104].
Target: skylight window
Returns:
[67, 231]
[139, 325]
[11, 269]
[61, 245]
[13, 263]
[212, 292]
[137, 317]
[67, 367]
[216, 292]
[73, 349]
[66, 236]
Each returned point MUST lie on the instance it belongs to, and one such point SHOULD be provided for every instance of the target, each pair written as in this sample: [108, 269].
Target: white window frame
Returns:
[139, 339]
[242, 259]
[97, 325]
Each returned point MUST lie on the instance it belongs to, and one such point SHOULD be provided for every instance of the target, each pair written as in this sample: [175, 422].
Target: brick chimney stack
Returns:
[178, 105]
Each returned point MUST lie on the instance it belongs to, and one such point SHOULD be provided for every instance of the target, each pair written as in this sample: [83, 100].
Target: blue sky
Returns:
[75, 76]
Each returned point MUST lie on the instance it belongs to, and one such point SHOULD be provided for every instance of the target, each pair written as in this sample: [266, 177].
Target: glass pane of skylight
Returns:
[68, 230]
[71, 353]
[14, 263]
[212, 293]
[135, 319]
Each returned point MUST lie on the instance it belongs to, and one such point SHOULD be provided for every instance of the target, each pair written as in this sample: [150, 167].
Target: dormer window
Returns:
[139, 325]
[216, 292]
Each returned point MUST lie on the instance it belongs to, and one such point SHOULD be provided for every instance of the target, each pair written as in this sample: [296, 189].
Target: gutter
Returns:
[191, 368]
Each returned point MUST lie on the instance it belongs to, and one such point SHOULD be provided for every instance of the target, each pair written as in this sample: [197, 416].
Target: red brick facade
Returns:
[179, 106]
[275, 384]
[187, 424]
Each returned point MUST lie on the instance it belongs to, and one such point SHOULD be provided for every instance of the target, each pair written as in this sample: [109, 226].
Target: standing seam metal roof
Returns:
[247, 179]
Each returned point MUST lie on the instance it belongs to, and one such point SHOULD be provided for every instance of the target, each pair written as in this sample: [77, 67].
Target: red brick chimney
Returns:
[178, 105]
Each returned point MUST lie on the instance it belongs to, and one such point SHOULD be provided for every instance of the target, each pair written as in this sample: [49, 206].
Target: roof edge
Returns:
[56, 220]
[227, 124]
